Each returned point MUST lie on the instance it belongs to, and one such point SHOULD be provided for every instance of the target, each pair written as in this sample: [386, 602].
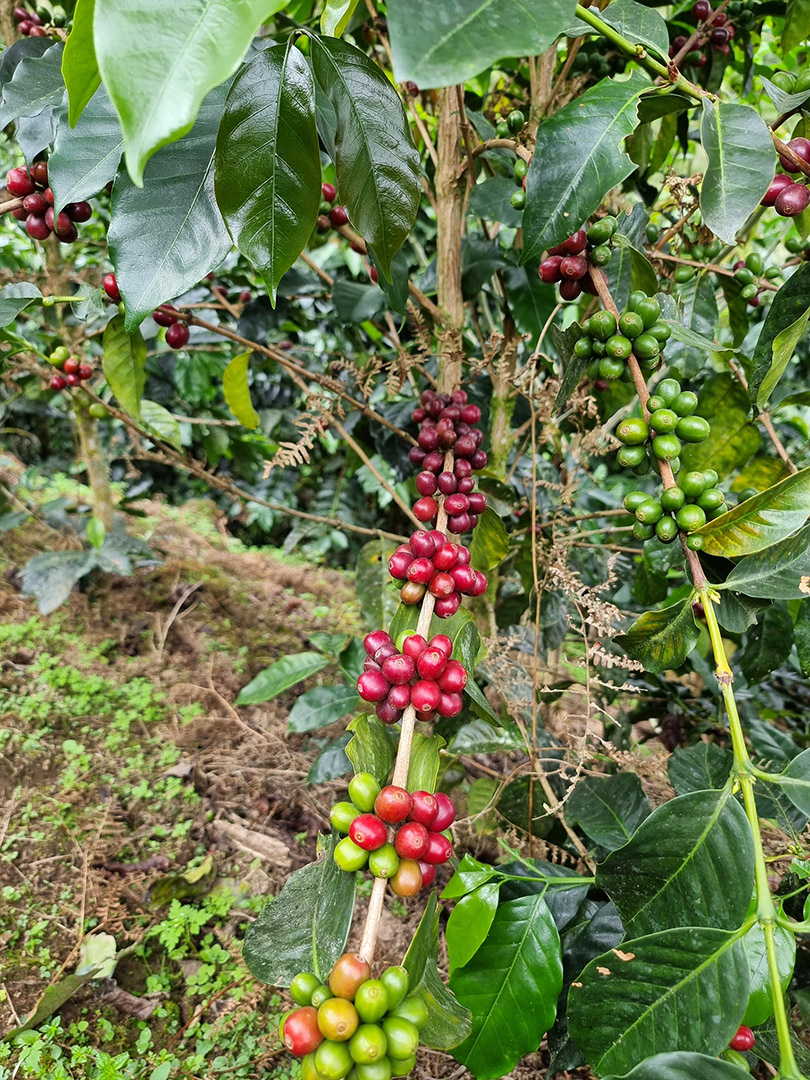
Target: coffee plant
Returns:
[518, 281]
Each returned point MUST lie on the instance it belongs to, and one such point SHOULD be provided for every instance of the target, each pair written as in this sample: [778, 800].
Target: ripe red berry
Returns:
[375, 640]
[302, 1035]
[37, 227]
[464, 556]
[177, 336]
[434, 461]
[398, 565]
[110, 286]
[416, 455]
[719, 36]
[570, 290]
[393, 804]
[163, 315]
[84, 372]
[800, 147]
[420, 571]
[425, 696]
[450, 704]
[426, 483]
[573, 267]
[372, 686]
[411, 841]
[71, 365]
[744, 1039]
[57, 382]
[701, 10]
[328, 191]
[47, 195]
[62, 224]
[39, 170]
[576, 243]
[425, 509]
[414, 645]
[454, 678]
[422, 543]
[424, 808]
[399, 696]
[18, 182]
[442, 585]
[398, 670]
[387, 713]
[368, 832]
[431, 663]
[446, 556]
[464, 578]
[446, 606]
[792, 201]
[481, 584]
[79, 211]
[338, 216]
[459, 524]
[439, 849]
[779, 183]
[443, 642]
[478, 502]
[479, 458]
[428, 873]
[447, 812]
[447, 482]
[34, 204]
[549, 271]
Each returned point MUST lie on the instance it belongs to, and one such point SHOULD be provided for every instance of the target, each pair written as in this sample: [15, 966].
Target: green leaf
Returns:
[733, 438]
[469, 876]
[35, 85]
[663, 101]
[490, 542]
[237, 392]
[760, 521]
[608, 809]
[159, 420]
[320, 707]
[801, 635]
[306, 926]
[577, 160]
[79, 64]
[124, 364]
[797, 25]
[760, 1002]
[788, 311]
[280, 676]
[85, 157]
[661, 639]
[50, 577]
[695, 309]
[741, 166]
[378, 601]
[668, 874]
[698, 768]
[442, 44]
[642, 274]
[469, 924]
[682, 1066]
[96, 531]
[794, 781]
[166, 235]
[573, 367]
[268, 168]
[376, 163]
[197, 49]
[780, 572]
[519, 961]
[16, 298]
[490, 200]
[449, 1022]
[331, 763]
[682, 989]
[372, 747]
[480, 737]
[423, 769]
[336, 16]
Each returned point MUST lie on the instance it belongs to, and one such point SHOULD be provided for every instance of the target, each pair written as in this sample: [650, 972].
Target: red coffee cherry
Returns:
[338, 216]
[348, 975]
[450, 704]
[164, 317]
[446, 606]
[328, 191]
[393, 804]
[454, 678]
[375, 640]
[573, 267]
[399, 697]
[412, 840]
[464, 578]
[439, 849]
[110, 286]
[800, 147]
[446, 556]
[570, 290]
[425, 509]
[301, 1032]
[177, 336]
[387, 713]
[34, 204]
[420, 570]
[442, 585]
[422, 543]
[85, 371]
[414, 645]
[37, 227]
[368, 832]
[73, 380]
[789, 202]
[443, 642]
[431, 663]
[372, 686]
[39, 170]
[549, 271]
[426, 483]
[576, 243]
[18, 182]
[398, 565]
[424, 808]
[744, 1039]
[779, 183]
[447, 812]
[428, 873]
[57, 382]
[398, 670]
[79, 211]
[425, 696]
[71, 365]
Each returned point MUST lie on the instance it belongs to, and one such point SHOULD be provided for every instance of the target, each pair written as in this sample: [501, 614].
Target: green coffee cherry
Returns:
[794, 244]
[672, 498]
[413, 1008]
[713, 248]
[755, 263]
[642, 531]
[749, 291]
[368, 1044]
[697, 252]
[600, 256]
[666, 530]
[682, 274]
[98, 411]
[711, 499]
[646, 347]
[516, 121]
[520, 170]
[377, 1070]
[518, 199]
[321, 994]
[685, 403]
[634, 499]
[692, 484]
[783, 79]
[308, 1070]
[303, 986]
[502, 130]
[371, 1001]
[601, 231]
[333, 1060]
[618, 346]
[665, 447]
[635, 299]
[650, 512]
[710, 478]
[349, 856]
[660, 331]
[649, 310]
[663, 420]
[631, 324]
[593, 369]
[342, 815]
[363, 790]
[611, 369]
[631, 457]
[402, 1036]
[633, 431]
[690, 517]
[651, 233]
[602, 325]
[384, 862]
[395, 981]
[668, 389]
[598, 347]
[583, 348]
[402, 1067]
[718, 511]
[693, 429]
[655, 403]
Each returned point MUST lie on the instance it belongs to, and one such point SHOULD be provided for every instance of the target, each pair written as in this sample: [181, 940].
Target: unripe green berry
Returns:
[685, 403]
[646, 347]
[642, 531]
[663, 420]
[711, 499]
[342, 815]
[520, 170]
[630, 457]
[649, 309]
[710, 478]
[583, 348]
[666, 447]
[631, 324]
[636, 298]
[634, 499]
[668, 389]
[690, 517]
[349, 856]
[660, 331]
[755, 262]
[516, 121]
[650, 512]
[666, 530]
[651, 233]
[502, 130]
[321, 994]
[413, 1008]
[363, 790]
[618, 346]
[602, 325]
[402, 1036]
[368, 1044]
[655, 403]
[303, 986]
[401, 1067]
[333, 1060]
[692, 484]
[632, 431]
[384, 862]
[693, 429]
[610, 368]
[601, 255]
[601, 231]
[518, 199]
[682, 274]
[395, 981]
[672, 498]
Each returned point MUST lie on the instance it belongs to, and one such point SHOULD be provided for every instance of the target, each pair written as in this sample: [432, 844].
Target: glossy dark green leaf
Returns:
[789, 308]
[797, 24]
[16, 298]
[760, 521]
[608, 809]
[85, 157]
[449, 1022]
[683, 989]
[682, 1065]
[573, 366]
[50, 577]
[675, 870]
[79, 64]
[280, 676]
[356, 302]
[795, 781]
[760, 1001]
[378, 600]
[695, 309]
[336, 16]
[423, 768]
[490, 542]
[439, 45]
[376, 162]
[372, 747]
[469, 923]
[663, 102]
[124, 364]
[519, 961]
[741, 166]
[322, 706]
[20, 50]
[331, 763]
[197, 49]
[306, 926]
[779, 572]
[490, 200]
[530, 301]
[167, 235]
[480, 737]
[577, 160]
[268, 169]
[699, 768]
[801, 635]
[470, 875]
[156, 418]
[562, 887]
[661, 639]
[35, 85]
[237, 392]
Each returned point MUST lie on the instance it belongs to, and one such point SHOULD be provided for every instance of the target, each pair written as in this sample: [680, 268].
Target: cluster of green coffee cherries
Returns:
[671, 424]
[608, 342]
[694, 500]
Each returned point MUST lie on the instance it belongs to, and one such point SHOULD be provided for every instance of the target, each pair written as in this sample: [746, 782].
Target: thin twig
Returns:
[358, 449]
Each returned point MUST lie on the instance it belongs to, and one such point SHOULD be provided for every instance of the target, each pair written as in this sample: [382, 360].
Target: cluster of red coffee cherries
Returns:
[421, 674]
[446, 424]
[398, 835]
[787, 196]
[430, 563]
[717, 32]
[567, 264]
[75, 372]
[31, 185]
[330, 217]
[29, 23]
[177, 333]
